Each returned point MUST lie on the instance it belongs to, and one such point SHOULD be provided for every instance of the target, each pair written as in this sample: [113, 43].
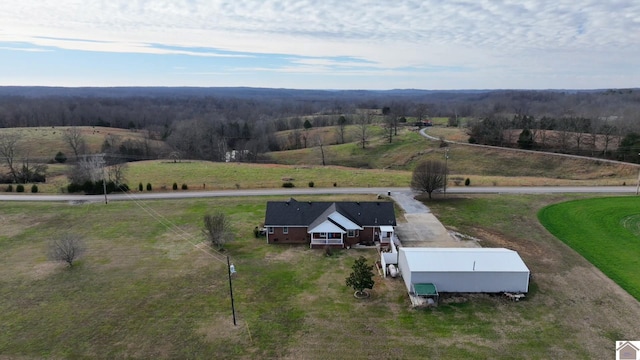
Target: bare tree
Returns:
[88, 168]
[341, 129]
[8, 151]
[608, 132]
[116, 173]
[428, 176]
[217, 229]
[421, 111]
[320, 142]
[76, 141]
[363, 124]
[66, 247]
[30, 172]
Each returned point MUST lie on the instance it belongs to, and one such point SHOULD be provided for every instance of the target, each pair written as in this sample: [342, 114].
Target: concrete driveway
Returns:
[422, 228]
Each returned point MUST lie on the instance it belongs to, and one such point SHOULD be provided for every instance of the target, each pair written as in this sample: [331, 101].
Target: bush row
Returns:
[20, 188]
[98, 187]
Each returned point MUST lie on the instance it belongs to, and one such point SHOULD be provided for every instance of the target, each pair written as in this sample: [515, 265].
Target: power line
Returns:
[180, 233]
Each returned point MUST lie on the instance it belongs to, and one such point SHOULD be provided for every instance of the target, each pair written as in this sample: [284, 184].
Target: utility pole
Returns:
[231, 269]
[638, 186]
[446, 169]
[104, 178]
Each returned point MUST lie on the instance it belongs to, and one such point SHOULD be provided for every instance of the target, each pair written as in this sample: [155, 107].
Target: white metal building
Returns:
[489, 270]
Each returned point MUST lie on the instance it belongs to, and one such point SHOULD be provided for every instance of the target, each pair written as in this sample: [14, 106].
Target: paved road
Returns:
[321, 191]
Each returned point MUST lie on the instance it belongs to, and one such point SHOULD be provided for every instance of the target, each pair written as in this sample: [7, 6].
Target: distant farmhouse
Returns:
[335, 224]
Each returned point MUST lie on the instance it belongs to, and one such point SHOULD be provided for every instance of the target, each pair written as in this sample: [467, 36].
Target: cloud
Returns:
[537, 36]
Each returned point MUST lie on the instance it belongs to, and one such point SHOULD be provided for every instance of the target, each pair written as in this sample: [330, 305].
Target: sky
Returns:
[322, 44]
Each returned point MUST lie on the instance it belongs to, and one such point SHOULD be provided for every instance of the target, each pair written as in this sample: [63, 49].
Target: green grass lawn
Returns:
[605, 231]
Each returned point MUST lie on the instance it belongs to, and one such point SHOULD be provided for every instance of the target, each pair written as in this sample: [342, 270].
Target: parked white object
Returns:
[393, 271]
[490, 270]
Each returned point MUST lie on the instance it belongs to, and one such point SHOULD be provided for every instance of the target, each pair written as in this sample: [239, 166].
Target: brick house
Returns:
[337, 224]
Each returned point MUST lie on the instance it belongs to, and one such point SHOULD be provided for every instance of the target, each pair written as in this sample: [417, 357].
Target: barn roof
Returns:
[463, 260]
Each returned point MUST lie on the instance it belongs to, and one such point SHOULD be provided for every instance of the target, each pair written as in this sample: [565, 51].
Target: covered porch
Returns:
[386, 235]
[325, 234]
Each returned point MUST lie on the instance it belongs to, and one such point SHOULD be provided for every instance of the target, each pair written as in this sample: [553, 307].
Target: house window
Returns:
[323, 235]
[351, 233]
[270, 229]
[285, 230]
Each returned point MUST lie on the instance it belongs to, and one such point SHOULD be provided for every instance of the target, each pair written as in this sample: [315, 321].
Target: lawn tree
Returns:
[361, 277]
[217, 229]
[429, 176]
[76, 141]
[66, 247]
[8, 150]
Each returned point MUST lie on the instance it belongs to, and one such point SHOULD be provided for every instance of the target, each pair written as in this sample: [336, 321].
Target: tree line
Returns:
[209, 123]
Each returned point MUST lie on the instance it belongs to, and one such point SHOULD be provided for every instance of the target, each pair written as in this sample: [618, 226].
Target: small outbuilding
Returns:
[469, 270]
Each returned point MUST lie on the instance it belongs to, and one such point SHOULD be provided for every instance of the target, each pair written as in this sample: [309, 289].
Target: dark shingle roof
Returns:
[299, 213]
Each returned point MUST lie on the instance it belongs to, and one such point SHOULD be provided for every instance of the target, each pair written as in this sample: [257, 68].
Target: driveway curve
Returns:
[422, 228]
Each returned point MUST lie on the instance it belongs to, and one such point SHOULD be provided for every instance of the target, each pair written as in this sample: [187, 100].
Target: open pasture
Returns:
[148, 287]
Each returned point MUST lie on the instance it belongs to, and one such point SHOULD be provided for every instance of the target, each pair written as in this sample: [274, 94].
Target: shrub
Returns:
[175, 186]
[34, 188]
[185, 187]
[335, 184]
[140, 187]
[20, 188]
[60, 157]
[149, 187]
[467, 182]
[311, 184]
[288, 184]
[98, 187]
[10, 188]
[328, 251]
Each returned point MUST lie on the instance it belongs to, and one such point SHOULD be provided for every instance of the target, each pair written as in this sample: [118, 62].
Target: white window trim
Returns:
[351, 233]
[271, 230]
[285, 230]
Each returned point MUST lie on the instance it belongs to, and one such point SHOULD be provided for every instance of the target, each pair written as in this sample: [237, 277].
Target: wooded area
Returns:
[208, 123]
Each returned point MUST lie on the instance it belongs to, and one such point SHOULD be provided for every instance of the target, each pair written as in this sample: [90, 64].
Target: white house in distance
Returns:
[467, 270]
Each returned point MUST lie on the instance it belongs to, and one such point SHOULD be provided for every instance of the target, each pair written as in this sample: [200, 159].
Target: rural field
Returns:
[148, 287]
[380, 164]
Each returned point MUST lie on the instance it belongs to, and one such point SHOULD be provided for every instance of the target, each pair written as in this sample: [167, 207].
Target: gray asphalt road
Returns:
[312, 191]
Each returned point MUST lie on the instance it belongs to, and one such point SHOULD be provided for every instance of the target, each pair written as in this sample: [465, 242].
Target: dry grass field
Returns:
[148, 287]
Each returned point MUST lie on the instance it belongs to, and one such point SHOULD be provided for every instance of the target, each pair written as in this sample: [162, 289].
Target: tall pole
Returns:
[104, 180]
[446, 169]
[233, 309]
[104, 187]
[638, 186]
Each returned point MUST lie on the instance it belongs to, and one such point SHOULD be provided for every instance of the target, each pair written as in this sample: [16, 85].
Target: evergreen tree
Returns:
[362, 276]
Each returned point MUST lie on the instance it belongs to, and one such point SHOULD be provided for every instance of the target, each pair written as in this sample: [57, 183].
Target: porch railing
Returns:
[326, 242]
